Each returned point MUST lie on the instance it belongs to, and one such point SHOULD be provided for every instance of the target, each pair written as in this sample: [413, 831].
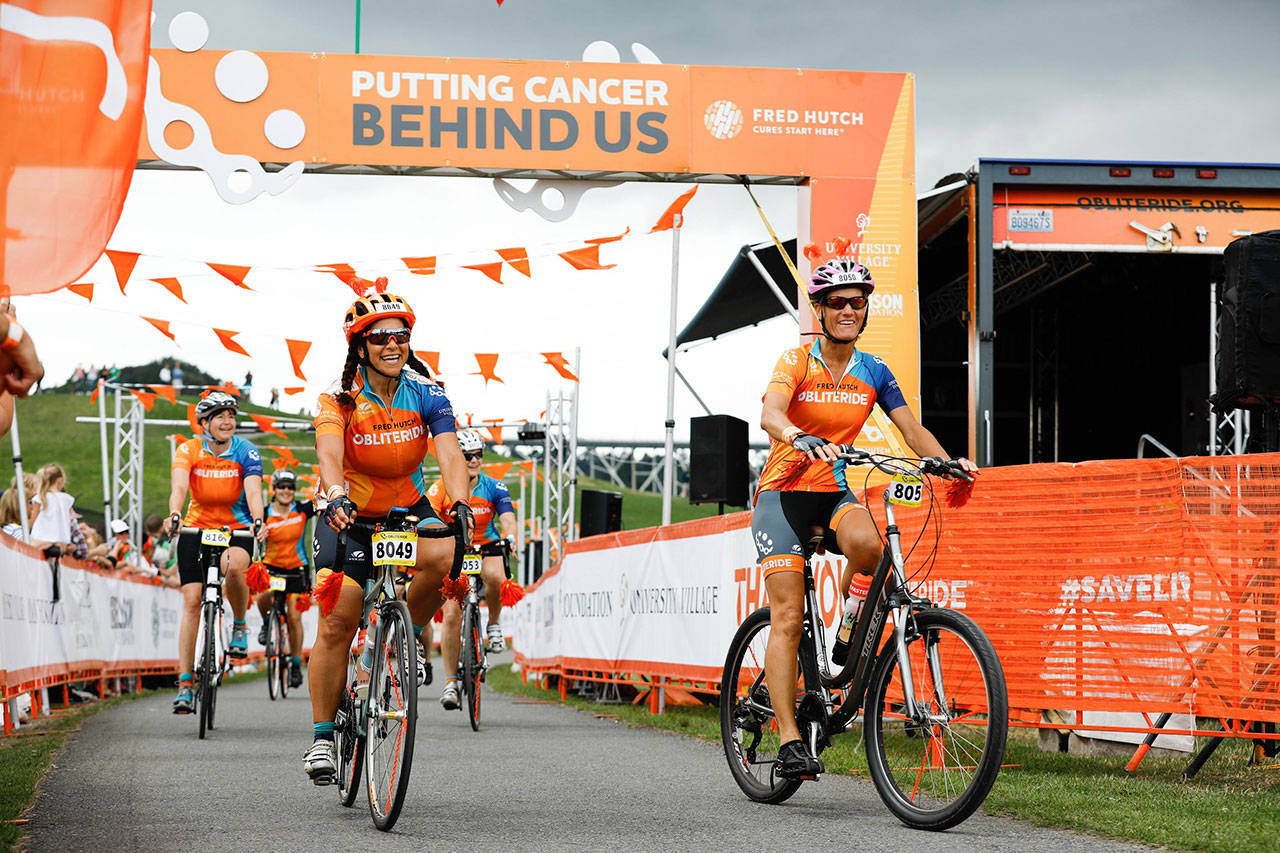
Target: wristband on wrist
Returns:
[789, 434]
[335, 492]
[14, 337]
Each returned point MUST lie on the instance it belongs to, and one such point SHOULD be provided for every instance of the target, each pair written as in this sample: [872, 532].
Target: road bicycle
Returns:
[277, 645]
[378, 714]
[932, 696]
[472, 651]
[214, 633]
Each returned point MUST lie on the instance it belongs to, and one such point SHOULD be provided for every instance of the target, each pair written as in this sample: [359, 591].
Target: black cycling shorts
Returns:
[296, 582]
[782, 522]
[359, 551]
[189, 568]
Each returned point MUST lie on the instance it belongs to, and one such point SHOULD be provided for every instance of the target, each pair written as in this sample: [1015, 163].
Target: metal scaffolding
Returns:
[560, 477]
[1228, 433]
[128, 435]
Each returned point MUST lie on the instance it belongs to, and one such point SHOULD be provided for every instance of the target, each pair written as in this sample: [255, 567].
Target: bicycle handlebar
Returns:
[935, 465]
[453, 529]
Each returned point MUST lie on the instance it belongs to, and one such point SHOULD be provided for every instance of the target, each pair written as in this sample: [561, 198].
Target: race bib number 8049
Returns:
[395, 548]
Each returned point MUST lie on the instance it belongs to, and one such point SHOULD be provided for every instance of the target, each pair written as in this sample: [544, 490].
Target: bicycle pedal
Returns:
[814, 778]
[322, 779]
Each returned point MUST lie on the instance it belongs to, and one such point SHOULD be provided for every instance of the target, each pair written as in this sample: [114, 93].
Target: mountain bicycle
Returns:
[471, 654]
[214, 633]
[932, 696]
[378, 715]
[277, 624]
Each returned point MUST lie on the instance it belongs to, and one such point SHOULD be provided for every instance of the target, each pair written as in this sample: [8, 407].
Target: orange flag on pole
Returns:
[167, 391]
[191, 419]
[228, 342]
[487, 361]
[171, 285]
[267, 424]
[162, 326]
[123, 263]
[518, 258]
[233, 274]
[85, 289]
[586, 258]
[493, 271]
[145, 397]
[297, 352]
[668, 219]
[421, 266]
[561, 365]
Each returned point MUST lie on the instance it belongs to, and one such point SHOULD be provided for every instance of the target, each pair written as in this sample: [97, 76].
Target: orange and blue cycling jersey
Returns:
[489, 499]
[284, 535]
[823, 406]
[384, 441]
[217, 482]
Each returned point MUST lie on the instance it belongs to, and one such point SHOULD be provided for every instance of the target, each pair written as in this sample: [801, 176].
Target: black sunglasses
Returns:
[381, 337]
[475, 454]
[838, 302]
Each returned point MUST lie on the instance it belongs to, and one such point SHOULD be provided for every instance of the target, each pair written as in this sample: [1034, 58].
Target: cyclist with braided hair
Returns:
[372, 433]
[818, 398]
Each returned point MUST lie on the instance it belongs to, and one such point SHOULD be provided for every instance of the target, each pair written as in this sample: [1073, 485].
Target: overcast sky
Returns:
[1114, 80]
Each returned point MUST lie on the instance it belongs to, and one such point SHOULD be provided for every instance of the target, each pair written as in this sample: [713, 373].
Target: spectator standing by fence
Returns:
[54, 521]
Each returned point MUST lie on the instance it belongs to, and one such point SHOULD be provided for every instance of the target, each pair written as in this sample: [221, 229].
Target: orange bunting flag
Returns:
[586, 258]
[171, 285]
[123, 262]
[295, 389]
[297, 352]
[668, 219]
[527, 466]
[431, 359]
[561, 365]
[267, 424]
[146, 398]
[93, 398]
[176, 438]
[345, 273]
[233, 274]
[518, 258]
[191, 419]
[488, 361]
[600, 241]
[278, 463]
[228, 388]
[85, 289]
[498, 470]
[495, 434]
[162, 326]
[493, 271]
[167, 391]
[227, 340]
[421, 266]
[285, 453]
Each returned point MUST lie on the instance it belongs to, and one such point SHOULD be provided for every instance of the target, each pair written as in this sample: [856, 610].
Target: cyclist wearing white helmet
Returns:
[819, 397]
[490, 501]
[223, 474]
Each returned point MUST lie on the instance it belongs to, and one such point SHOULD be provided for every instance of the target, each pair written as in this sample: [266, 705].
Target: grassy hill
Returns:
[49, 433]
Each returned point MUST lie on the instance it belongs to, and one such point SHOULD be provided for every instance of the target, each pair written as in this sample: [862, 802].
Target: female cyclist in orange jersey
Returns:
[818, 398]
[371, 437]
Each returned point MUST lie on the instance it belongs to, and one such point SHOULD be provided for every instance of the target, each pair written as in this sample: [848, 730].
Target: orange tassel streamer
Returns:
[958, 492]
[328, 587]
[258, 578]
[455, 588]
[510, 593]
[302, 601]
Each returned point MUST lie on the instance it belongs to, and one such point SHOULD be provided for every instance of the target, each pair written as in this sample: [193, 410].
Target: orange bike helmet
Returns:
[367, 310]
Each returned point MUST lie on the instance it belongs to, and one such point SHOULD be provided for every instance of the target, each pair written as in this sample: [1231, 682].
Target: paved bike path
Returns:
[536, 777]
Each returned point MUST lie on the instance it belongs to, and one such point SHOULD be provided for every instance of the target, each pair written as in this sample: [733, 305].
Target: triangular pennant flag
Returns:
[421, 266]
[586, 258]
[493, 271]
[285, 453]
[498, 470]
[93, 398]
[124, 263]
[278, 463]
[295, 389]
[233, 274]
[167, 391]
[191, 419]
[432, 360]
[297, 352]
[162, 326]
[267, 424]
[495, 433]
[145, 397]
[176, 438]
[228, 387]
[668, 219]
[518, 258]
[84, 289]
[227, 341]
[171, 285]
[487, 361]
[600, 241]
[527, 466]
[345, 273]
[558, 361]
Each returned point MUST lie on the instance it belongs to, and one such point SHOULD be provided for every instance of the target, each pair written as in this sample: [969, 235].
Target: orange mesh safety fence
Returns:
[1132, 586]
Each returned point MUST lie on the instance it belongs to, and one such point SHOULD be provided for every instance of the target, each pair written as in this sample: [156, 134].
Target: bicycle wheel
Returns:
[932, 774]
[273, 662]
[748, 729]
[472, 654]
[282, 653]
[392, 715]
[346, 735]
[207, 690]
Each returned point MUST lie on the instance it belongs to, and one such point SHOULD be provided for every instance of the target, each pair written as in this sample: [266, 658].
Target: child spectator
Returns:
[10, 513]
[53, 523]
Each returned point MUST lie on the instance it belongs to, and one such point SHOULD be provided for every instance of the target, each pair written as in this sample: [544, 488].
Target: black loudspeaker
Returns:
[718, 467]
[1248, 358]
[601, 512]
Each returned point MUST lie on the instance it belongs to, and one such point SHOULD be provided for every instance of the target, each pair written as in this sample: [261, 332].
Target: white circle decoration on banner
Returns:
[284, 128]
[241, 76]
[188, 31]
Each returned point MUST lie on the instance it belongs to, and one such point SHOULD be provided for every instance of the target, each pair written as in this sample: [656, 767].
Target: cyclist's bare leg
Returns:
[294, 620]
[786, 617]
[234, 563]
[264, 602]
[859, 541]
[329, 654]
[494, 574]
[451, 638]
[191, 600]
[427, 640]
